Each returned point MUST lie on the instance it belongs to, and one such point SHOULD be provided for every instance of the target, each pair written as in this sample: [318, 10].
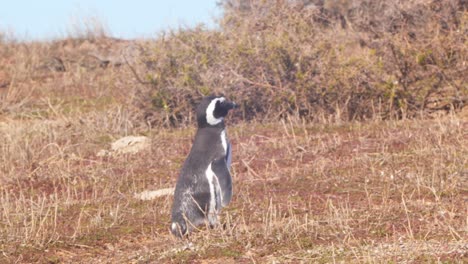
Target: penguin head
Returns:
[212, 110]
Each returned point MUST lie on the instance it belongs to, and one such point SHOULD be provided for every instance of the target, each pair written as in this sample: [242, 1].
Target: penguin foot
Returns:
[179, 230]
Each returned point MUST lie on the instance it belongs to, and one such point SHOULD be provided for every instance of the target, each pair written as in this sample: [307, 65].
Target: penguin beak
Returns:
[234, 105]
[231, 105]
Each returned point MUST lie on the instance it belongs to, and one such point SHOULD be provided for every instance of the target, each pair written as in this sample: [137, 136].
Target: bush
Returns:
[352, 59]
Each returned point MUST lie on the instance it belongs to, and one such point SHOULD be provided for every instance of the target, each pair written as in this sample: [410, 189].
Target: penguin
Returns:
[204, 185]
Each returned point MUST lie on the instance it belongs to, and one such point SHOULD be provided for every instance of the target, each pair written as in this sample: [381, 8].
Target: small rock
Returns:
[131, 144]
[151, 195]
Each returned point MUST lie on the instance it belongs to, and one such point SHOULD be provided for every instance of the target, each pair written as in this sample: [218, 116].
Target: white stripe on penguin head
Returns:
[210, 112]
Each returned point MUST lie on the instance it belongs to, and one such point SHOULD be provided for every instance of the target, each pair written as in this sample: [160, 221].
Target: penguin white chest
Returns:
[224, 141]
[215, 193]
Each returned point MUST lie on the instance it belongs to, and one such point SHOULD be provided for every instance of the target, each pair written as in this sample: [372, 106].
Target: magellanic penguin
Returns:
[204, 185]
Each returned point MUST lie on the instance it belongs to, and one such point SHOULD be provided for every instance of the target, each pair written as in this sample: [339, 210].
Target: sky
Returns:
[50, 19]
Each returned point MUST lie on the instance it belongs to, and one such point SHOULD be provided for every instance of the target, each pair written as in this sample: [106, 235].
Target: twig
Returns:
[134, 72]
[264, 85]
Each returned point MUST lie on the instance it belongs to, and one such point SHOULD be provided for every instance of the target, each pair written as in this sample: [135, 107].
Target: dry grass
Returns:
[381, 191]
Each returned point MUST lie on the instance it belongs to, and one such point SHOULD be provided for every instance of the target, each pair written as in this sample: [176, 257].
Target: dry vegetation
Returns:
[358, 59]
[335, 156]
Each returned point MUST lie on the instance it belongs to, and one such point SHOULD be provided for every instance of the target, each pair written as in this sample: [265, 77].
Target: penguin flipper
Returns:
[228, 155]
[221, 171]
